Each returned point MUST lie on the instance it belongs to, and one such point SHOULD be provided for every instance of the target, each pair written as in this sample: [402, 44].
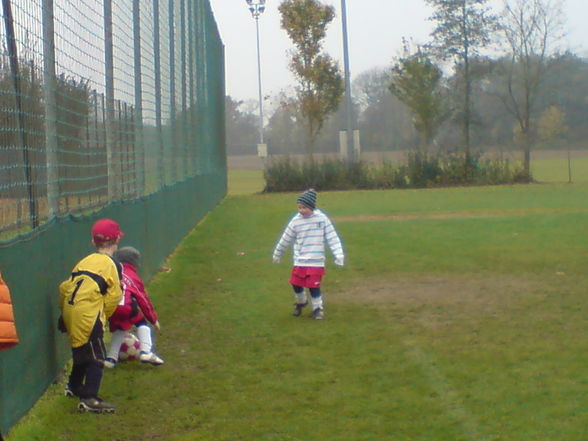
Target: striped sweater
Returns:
[309, 236]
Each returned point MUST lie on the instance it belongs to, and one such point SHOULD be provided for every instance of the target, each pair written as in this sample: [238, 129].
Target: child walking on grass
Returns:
[135, 310]
[309, 230]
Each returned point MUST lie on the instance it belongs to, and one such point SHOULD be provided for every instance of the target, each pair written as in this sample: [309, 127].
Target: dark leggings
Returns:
[88, 364]
[85, 378]
[314, 292]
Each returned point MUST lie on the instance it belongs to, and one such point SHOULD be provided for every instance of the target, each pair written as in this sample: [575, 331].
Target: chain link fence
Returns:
[103, 102]
[108, 108]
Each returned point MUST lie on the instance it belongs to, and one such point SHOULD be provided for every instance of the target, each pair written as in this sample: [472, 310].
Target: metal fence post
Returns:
[184, 130]
[139, 139]
[49, 89]
[157, 73]
[13, 55]
[113, 193]
[172, 91]
[191, 85]
[201, 81]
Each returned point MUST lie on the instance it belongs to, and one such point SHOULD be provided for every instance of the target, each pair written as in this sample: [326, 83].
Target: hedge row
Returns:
[420, 170]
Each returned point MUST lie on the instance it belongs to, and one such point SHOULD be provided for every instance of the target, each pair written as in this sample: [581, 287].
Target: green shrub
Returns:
[422, 170]
[283, 175]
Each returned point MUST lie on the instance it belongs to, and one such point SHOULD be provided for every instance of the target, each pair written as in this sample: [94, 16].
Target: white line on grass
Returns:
[454, 405]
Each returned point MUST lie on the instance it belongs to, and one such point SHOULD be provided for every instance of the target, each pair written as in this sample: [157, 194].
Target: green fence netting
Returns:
[107, 109]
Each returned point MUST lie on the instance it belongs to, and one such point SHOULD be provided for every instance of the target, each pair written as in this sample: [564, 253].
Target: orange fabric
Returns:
[8, 337]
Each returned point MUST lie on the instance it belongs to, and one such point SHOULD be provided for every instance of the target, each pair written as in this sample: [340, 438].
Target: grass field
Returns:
[460, 315]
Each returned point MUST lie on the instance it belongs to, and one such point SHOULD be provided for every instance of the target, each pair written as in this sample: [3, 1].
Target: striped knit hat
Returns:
[308, 198]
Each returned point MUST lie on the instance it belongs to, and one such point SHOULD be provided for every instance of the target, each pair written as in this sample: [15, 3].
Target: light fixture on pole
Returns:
[257, 7]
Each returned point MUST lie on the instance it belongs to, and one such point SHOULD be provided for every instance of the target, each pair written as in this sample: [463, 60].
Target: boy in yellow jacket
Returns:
[87, 299]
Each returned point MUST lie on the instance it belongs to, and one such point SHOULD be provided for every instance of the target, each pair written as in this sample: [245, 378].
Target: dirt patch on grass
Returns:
[462, 307]
[455, 215]
[439, 289]
[437, 300]
[480, 291]
[441, 302]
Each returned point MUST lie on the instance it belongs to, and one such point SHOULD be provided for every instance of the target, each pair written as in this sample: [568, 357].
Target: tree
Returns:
[320, 85]
[551, 126]
[384, 121]
[371, 87]
[552, 129]
[416, 82]
[463, 29]
[241, 128]
[283, 131]
[531, 29]
[565, 83]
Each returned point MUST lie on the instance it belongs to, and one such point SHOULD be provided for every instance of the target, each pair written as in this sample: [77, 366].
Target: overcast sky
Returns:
[375, 28]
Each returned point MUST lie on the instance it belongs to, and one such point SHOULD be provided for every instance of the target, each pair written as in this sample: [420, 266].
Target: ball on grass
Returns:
[130, 348]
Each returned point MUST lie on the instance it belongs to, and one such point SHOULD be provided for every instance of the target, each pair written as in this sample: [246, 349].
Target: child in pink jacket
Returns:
[135, 309]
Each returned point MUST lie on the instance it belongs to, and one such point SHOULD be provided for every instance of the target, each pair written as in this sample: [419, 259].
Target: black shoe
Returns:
[318, 314]
[95, 405]
[298, 308]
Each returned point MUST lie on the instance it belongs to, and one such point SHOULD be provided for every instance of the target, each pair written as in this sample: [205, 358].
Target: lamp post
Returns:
[257, 7]
[348, 104]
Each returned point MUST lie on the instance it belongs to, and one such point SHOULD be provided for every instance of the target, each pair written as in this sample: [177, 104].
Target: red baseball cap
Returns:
[105, 230]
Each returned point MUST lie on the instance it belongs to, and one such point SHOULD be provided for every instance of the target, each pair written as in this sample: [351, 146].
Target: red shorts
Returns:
[307, 276]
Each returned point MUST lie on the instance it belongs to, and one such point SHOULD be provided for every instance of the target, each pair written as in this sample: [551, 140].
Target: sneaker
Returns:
[109, 363]
[318, 314]
[298, 308]
[151, 358]
[68, 391]
[95, 405]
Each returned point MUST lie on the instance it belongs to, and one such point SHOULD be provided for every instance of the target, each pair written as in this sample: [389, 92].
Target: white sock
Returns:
[117, 338]
[317, 302]
[144, 335]
[301, 297]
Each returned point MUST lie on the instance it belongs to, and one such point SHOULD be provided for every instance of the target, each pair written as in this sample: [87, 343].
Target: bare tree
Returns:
[532, 29]
[385, 122]
[371, 86]
[463, 28]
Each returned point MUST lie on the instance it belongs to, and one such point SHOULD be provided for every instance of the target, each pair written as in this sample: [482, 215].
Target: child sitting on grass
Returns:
[135, 310]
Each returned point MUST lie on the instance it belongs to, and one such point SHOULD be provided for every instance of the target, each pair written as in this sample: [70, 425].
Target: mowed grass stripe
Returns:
[448, 395]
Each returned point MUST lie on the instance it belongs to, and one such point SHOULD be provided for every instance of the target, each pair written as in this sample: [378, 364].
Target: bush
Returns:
[424, 170]
[421, 170]
[388, 175]
[283, 175]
